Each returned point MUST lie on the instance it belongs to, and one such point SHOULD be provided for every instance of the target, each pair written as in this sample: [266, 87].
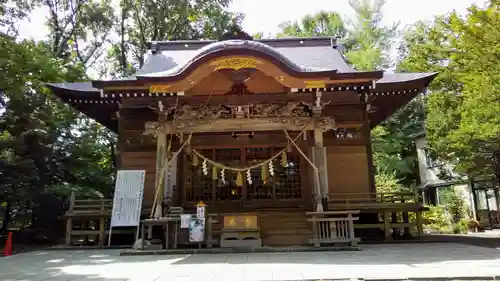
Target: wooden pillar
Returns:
[474, 199]
[69, 221]
[102, 222]
[488, 208]
[319, 161]
[387, 225]
[369, 154]
[497, 197]
[419, 219]
[161, 151]
[420, 229]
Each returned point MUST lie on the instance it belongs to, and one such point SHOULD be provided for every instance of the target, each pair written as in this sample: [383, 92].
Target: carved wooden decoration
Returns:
[242, 125]
[159, 88]
[348, 133]
[235, 63]
[139, 140]
[220, 111]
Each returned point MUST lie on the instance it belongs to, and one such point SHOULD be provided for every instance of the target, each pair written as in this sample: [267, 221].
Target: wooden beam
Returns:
[236, 99]
[243, 125]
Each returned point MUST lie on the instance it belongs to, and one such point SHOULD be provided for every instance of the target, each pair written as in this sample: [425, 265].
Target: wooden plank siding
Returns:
[348, 169]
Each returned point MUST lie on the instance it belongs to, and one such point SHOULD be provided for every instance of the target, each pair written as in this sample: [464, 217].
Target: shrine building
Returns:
[273, 132]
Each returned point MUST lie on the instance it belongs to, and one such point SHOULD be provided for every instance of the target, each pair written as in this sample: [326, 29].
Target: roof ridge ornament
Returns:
[235, 32]
[154, 47]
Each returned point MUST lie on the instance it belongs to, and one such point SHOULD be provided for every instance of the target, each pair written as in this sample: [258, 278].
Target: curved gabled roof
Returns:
[298, 54]
[245, 47]
[303, 56]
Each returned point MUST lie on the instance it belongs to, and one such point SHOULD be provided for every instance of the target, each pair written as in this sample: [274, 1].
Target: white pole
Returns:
[109, 235]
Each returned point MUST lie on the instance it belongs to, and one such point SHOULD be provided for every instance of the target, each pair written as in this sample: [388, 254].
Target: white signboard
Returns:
[185, 220]
[170, 178]
[127, 202]
[200, 212]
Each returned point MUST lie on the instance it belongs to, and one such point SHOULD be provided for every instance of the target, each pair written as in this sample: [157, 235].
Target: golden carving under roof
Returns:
[235, 63]
[159, 88]
[314, 84]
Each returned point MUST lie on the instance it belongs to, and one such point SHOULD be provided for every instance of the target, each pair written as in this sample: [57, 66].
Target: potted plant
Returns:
[472, 225]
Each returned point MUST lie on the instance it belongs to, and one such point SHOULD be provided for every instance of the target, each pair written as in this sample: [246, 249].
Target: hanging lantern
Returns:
[204, 167]
[196, 161]
[214, 173]
[249, 177]
[284, 161]
[264, 173]
[271, 168]
[239, 179]
[289, 147]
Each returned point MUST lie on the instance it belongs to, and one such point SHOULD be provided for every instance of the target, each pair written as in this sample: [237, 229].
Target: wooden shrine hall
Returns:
[272, 135]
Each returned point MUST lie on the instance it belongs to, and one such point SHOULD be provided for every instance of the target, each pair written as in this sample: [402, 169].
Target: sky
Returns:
[265, 15]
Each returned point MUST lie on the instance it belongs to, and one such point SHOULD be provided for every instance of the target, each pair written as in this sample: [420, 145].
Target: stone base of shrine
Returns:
[248, 243]
[263, 249]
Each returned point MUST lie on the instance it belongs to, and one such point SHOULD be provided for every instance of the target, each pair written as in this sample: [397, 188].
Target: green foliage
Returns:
[320, 24]
[141, 22]
[11, 12]
[43, 141]
[386, 182]
[456, 208]
[460, 227]
[48, 149]
[437, 219]
[367, 44]
[448, 218]
[463, 125]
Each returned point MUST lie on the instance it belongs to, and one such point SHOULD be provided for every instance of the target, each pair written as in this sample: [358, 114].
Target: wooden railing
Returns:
[333, 227]
[373, 198]
[390, 207]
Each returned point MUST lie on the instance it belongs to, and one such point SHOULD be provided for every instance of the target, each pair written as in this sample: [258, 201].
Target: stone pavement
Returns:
[383, 262]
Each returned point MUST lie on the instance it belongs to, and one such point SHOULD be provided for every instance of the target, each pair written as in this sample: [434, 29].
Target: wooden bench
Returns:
[333, 227]
[88, 212]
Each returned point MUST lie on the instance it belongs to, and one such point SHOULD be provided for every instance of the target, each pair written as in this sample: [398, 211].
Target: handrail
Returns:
[329, 230]
[374, 197]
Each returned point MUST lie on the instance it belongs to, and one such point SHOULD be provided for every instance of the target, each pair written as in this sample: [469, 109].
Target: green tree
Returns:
[142, 22]
[11, 12]
[79, 29]
[47, 147]
[463, 125]
[367, 45]
[369, 42]
[320, 24]
[393, 147]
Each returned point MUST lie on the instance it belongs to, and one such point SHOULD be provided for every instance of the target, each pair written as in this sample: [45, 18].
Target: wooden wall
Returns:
[348, 169]
[142, 160]
[349, 161]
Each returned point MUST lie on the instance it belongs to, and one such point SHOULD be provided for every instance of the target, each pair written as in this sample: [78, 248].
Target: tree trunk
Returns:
[6, 218]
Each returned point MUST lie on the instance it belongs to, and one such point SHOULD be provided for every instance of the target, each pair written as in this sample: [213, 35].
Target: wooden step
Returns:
[286, 240]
